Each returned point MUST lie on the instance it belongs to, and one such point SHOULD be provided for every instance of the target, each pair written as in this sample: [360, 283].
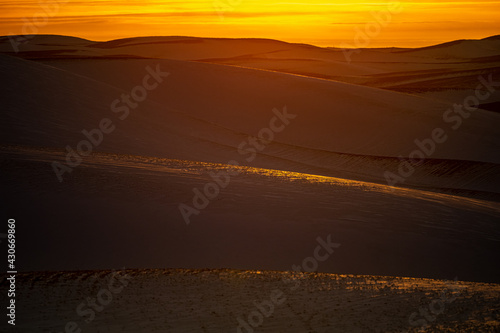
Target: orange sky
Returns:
[323, 23]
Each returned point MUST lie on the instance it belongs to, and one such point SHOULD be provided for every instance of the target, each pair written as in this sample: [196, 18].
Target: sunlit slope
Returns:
[261, 219]
[205, 112]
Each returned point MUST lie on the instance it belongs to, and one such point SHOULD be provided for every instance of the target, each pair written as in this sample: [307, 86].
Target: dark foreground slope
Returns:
[261, 301]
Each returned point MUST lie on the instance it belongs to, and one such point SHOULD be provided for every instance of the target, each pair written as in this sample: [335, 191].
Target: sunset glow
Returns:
[324, 23]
